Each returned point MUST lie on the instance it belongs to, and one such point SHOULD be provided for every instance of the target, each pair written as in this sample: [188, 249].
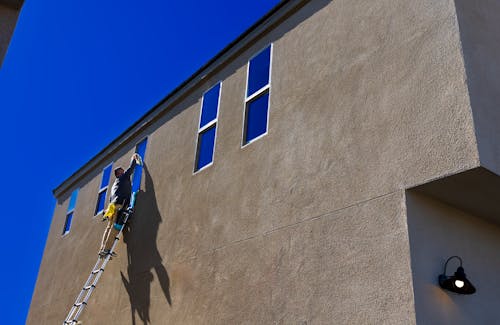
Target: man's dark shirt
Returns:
[122, 187]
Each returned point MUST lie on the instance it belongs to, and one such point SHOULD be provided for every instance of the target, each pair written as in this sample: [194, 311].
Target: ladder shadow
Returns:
[143, 256]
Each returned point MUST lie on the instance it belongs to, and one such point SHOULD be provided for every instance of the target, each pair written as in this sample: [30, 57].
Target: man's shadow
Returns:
[140, 236]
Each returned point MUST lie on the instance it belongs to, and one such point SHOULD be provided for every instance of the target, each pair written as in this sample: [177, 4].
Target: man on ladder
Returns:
[117, 214]
[119, 201]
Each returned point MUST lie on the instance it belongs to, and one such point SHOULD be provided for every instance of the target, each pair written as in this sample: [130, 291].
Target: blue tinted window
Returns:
[67, 224]
[105, 176]
[210, 105]
[72, 200]
[101, 202]
[258, 71]
[206, 143]
[141, 150]
[257, 117]
[101, 197]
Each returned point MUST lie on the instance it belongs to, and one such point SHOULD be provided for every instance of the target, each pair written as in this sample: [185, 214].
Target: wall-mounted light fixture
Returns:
[458, 282]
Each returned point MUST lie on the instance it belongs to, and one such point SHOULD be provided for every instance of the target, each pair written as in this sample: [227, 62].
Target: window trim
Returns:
[144, 138]
[105, 188]
[257, 94]
[104, 168]
[69, 202]
[70, 211]
[66, 232]
[207, 126]
[96, 213]
[143, 157]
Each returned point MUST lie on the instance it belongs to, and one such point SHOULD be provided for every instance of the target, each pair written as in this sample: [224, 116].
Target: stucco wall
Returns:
[367, 98]
[479, 23]
[438, 231]
[67, 261]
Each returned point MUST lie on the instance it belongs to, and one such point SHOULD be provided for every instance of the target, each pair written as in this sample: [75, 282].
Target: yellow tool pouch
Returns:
[110, 211]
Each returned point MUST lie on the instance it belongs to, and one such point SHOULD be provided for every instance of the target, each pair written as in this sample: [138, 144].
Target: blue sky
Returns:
[72, 67]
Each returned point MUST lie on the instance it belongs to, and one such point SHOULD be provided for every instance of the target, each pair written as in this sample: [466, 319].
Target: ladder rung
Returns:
[97, 271]
[78, 304]
[88, 287]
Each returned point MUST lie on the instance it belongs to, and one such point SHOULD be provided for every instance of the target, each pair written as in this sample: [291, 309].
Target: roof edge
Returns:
[13, 4]
[281, 11]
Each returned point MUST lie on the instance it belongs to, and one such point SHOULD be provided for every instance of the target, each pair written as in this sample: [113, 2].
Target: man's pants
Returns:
[111, 232]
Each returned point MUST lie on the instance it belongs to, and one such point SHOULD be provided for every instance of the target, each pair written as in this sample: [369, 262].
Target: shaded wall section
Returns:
[475, 191]
[9, 11]
[438, 231]
[479, 23]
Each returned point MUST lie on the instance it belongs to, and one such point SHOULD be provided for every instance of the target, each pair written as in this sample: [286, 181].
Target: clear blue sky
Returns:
[70, 68]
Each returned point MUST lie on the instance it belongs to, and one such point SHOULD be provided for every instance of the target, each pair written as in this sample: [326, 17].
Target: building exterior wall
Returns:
[304, 225]
[438, 231]
[9, 11]
[479, 26]
[67, 259]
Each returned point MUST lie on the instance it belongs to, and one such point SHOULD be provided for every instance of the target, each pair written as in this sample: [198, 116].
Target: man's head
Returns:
[119, 171]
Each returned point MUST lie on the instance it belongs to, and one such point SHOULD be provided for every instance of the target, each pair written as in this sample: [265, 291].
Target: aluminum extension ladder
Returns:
[96, 273]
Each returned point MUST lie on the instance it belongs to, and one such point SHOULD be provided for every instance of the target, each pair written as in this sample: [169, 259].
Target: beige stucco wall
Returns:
[68, 260]
[438, 231]
[320, 269]
[303, 225]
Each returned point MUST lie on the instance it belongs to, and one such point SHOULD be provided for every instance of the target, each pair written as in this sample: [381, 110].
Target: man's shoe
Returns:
[106, 252]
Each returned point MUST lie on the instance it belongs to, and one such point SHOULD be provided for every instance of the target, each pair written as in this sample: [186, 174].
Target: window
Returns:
[67, 224]
[69, 213]
[72, 201]
[141, 150]
[103, 189]
[257, 96]
[207, 127]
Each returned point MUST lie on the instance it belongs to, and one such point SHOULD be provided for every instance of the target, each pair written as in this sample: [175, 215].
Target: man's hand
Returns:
[136, 157]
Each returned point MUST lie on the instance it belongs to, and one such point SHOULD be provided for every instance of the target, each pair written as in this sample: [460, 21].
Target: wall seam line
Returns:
[208, 252]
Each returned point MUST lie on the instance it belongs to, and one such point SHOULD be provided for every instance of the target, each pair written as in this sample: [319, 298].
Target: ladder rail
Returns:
[95, 275]
[82, 292]
[90, 291]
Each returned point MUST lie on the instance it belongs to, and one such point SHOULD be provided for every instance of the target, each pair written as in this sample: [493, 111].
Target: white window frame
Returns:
[66, 232]
[68, 212]
[105, 188]
[145, 138]
[256, 94]
[206, 127]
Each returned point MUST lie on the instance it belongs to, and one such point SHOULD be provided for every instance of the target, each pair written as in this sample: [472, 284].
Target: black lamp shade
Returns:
[457, 283]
